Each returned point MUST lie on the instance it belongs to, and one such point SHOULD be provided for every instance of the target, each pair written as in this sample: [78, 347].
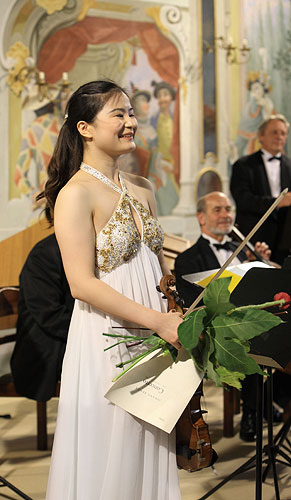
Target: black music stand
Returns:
[257, 286]
[4, 482]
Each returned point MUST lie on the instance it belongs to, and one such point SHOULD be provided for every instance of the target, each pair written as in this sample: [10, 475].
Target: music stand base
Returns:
[274, 447]
[4, 482]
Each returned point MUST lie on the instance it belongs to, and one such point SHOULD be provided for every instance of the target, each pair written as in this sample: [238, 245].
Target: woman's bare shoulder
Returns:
[137, 180]
[74, 192]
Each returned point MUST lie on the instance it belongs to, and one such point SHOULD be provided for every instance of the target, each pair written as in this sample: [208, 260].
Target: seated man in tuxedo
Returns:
[212, 249]
[258, 179]
[44, 313]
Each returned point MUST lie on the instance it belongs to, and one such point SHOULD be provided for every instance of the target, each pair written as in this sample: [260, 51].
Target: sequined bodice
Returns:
[119, 240]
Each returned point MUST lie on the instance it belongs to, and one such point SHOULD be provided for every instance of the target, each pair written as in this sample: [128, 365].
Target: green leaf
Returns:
[206, 347]
[230, 377]
[210, 370]
[233, 356]
[216, 298]
[210, 373]
[154, 340]
[244, 325]
[196, 357]
[189, 331]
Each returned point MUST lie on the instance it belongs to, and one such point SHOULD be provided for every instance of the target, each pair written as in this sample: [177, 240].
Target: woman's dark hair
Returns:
[84, 104]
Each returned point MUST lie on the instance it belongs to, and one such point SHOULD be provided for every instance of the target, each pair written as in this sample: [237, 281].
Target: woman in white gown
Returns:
[111, 243]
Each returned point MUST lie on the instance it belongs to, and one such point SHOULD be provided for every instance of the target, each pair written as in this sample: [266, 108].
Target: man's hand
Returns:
[286, 201]
[262, 248]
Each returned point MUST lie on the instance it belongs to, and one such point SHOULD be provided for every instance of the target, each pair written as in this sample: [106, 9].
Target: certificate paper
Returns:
[157, 389]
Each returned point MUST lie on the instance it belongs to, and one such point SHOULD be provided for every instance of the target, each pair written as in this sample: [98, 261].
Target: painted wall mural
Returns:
[154, 108]
[208, 78]
[259, 107]
[266, 79]
[153, 50]
[140, 58]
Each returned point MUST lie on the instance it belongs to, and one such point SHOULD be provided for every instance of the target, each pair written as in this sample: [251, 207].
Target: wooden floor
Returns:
[27, 468]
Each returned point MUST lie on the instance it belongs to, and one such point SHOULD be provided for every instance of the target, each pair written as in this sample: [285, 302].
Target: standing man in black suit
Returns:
[44, 313]
[212, 249]
[256, 181]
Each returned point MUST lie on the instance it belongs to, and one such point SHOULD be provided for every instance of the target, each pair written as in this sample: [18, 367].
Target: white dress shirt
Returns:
[221, 254]
[273, 169]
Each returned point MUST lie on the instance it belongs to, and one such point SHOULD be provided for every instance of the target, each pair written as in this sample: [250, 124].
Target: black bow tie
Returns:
[224, 246]
[274, 158]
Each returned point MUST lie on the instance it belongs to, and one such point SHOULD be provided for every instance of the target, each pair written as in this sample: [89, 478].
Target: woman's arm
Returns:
[77, 240]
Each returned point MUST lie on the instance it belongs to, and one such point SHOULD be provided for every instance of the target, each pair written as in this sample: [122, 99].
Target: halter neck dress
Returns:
[101, 452]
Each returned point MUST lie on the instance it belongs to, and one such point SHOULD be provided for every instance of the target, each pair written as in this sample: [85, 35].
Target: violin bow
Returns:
[239, 248]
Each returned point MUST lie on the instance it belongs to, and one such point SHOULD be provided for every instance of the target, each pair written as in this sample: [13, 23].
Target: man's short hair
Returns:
[201, 204]
[262, 127]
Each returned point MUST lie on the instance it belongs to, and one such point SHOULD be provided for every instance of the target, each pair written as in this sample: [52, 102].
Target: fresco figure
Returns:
[141, 103]
[37, 144]
[258, 108]
[162, 174]
[145, 137]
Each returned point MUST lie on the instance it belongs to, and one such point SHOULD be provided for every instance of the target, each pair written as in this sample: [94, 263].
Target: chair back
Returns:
[8, 320]
[173, 246]
[8, 307]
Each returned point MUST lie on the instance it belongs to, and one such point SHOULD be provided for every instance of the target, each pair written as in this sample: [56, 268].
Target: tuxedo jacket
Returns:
[196, 259]
[44, 312]
[250, 189]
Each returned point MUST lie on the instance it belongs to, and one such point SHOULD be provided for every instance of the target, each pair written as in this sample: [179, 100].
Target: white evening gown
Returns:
[101, 452]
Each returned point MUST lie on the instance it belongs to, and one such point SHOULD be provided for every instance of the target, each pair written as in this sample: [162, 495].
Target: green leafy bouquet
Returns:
[216, 336]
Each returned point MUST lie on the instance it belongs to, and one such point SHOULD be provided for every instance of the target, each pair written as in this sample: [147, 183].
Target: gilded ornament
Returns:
[105, 5]
[19, 53]
[126, 57]
[154, 13]
[52, 6]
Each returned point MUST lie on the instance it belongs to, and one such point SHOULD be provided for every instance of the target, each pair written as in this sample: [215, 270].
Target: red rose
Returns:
[285, 296]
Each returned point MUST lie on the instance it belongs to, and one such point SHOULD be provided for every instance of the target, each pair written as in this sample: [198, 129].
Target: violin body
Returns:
[193, 444]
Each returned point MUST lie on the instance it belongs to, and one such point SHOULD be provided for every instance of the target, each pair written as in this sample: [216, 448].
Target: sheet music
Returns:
[238, 270]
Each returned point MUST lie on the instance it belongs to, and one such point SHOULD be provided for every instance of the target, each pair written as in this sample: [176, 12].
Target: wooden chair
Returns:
[14, 251]
[173, 245]
[42, 442]
[231, 406]
[8, 320]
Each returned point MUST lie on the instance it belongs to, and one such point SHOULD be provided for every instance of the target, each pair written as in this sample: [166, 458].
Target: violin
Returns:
[193, 444]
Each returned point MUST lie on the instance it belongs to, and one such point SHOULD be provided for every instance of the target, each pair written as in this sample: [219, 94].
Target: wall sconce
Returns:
[29, 76]
[234, 55]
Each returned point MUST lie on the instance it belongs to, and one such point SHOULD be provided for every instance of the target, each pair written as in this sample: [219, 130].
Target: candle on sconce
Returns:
[65, 77]
[229, 40]
[41, 77]
[244, 43]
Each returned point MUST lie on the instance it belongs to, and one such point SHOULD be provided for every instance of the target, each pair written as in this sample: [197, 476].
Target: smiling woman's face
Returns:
[114, 127]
